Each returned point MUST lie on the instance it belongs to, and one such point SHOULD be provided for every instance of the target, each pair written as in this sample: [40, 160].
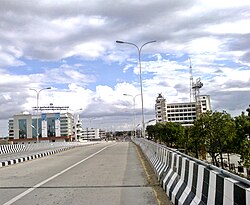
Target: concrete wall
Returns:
[190, 181]
[13, 148]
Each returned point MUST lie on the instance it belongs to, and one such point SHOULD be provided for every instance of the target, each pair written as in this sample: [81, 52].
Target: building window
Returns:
[51, 127]
[22, 123]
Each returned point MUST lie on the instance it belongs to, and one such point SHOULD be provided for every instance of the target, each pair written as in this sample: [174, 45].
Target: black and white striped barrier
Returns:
[31, 157]
[190, 181]
[14, 148]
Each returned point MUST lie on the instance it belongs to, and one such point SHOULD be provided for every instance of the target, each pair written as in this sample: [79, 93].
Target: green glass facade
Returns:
[22, 124]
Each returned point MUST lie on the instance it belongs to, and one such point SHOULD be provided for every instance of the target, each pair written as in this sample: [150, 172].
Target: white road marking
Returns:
[53, 177]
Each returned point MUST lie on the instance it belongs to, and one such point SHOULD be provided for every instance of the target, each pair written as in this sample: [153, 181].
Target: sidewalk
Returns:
[233, 165]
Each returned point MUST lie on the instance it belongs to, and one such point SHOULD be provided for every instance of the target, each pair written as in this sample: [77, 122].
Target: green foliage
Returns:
[218, 131]
[174, 134]
[167, 132]
[245, 153]
[242, 123]
[241, 141]
[151, 132]
[213, 132]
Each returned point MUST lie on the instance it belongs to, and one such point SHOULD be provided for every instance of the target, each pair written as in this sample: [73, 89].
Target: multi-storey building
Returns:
[184, 113]
[93, 134]
[160, 109]
[30, 128]
[77, 128]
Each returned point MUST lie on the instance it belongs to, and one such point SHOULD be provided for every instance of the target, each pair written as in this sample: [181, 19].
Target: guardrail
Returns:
[190, 181]
[18, 153]
[13, 148]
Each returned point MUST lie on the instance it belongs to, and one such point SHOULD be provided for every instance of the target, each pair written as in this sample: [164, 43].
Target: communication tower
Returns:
[195, 90]
[191, 80]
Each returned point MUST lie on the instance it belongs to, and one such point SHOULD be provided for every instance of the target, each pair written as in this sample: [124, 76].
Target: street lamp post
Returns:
[139, 62]
[139, 129]
[37, 100]
[133, 110]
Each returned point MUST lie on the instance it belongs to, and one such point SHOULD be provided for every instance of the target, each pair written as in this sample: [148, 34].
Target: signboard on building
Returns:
[57, 125]
[44, 125]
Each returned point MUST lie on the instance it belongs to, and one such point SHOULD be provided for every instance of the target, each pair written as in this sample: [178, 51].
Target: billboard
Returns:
[44, 125]
[57, 125]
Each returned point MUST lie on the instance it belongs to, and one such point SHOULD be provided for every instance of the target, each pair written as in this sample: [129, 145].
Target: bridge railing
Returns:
[14, 148]
[190, 181]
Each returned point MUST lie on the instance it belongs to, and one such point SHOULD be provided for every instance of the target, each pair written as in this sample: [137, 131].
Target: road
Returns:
[105, 173]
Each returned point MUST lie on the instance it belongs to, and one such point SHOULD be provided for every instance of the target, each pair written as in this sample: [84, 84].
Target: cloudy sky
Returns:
[70, 45]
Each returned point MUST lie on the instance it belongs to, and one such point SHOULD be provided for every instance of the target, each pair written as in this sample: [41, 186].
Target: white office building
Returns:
[77, 129]
[93, 134]
[184, 113]
[160, 109]
[52, 127]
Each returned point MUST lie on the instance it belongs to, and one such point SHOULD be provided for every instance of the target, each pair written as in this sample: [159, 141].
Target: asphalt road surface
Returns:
[106, 174]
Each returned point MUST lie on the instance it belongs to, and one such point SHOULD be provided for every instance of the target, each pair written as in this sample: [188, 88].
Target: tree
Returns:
[170, 133]
[241, 141]
[245, 153]
[196, 138]
[218, 130]
[174, 134]
[248, 110]
[242, 125]
[160, 132]
[151, 132]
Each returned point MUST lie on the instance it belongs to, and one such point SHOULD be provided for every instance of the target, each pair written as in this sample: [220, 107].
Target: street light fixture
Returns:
[37, 100]
[150, 121]
[133, 96]
[139, 62]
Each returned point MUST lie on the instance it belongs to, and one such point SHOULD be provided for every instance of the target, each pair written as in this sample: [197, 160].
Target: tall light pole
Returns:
[133, 96]
[37, 101]
[139, 63]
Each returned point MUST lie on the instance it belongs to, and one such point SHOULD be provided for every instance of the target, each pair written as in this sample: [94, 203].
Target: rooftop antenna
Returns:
[191, 80]
[195, 90]
[196, 87]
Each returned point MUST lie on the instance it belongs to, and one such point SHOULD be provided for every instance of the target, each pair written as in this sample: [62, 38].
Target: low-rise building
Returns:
[52, 127]
[93, 134]
[184, 113]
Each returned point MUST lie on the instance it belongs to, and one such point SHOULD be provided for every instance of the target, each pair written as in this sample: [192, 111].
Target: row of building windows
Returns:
[161, 108]
[180, 106]
[181, 114]
[181, 119]
[173, 119]
[181, 110]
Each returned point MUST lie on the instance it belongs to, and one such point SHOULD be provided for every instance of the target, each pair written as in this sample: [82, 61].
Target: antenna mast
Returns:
[195, 90]
[191, 80]
[196, 87]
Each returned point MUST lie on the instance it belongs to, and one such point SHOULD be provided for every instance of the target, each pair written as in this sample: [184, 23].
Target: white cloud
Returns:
[66, 45]
[238, 27]
[88, 50]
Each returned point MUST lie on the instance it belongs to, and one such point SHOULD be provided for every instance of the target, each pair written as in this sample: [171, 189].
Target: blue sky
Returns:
[71, 46]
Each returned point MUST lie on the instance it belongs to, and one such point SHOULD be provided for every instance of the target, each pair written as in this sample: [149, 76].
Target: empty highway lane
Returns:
[105, 174]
